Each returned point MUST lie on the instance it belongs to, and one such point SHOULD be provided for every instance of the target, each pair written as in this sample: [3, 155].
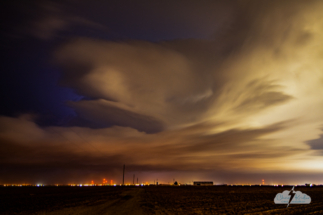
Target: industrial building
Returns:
[203, 183]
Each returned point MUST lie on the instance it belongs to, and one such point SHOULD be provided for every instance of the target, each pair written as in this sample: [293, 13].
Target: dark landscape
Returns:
[154, 200]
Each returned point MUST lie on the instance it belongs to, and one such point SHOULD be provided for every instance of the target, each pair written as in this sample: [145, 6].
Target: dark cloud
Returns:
[316, 144]
[188, 149]
[235, 142]
[101, 114]
[45, 20]
[49, 19]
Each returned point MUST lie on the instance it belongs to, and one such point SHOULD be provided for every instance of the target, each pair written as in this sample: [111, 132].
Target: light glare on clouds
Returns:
[248, 100]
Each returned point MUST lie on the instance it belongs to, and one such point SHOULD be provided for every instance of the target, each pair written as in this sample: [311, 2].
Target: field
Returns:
[153, 200]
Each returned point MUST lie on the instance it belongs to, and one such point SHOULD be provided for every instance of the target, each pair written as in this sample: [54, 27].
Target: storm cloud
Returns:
[244, 93]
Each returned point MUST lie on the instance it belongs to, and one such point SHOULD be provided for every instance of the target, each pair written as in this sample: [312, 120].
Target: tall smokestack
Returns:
[124, 169]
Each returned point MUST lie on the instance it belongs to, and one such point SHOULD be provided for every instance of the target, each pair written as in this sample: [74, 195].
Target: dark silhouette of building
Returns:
[203, 183]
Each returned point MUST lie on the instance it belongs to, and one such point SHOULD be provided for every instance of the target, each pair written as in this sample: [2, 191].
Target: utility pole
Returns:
[124, 169]
[137, 180]
[133, 181]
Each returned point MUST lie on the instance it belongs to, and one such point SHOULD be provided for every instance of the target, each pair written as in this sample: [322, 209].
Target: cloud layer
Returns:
[248, 99]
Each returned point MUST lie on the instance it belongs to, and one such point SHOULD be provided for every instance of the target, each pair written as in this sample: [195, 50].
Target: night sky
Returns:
[227, 91]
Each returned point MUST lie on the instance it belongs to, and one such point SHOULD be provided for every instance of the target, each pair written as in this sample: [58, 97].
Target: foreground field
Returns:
[153, 200]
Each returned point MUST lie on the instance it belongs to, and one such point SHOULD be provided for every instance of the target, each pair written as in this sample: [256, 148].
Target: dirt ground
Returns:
[153, 200]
